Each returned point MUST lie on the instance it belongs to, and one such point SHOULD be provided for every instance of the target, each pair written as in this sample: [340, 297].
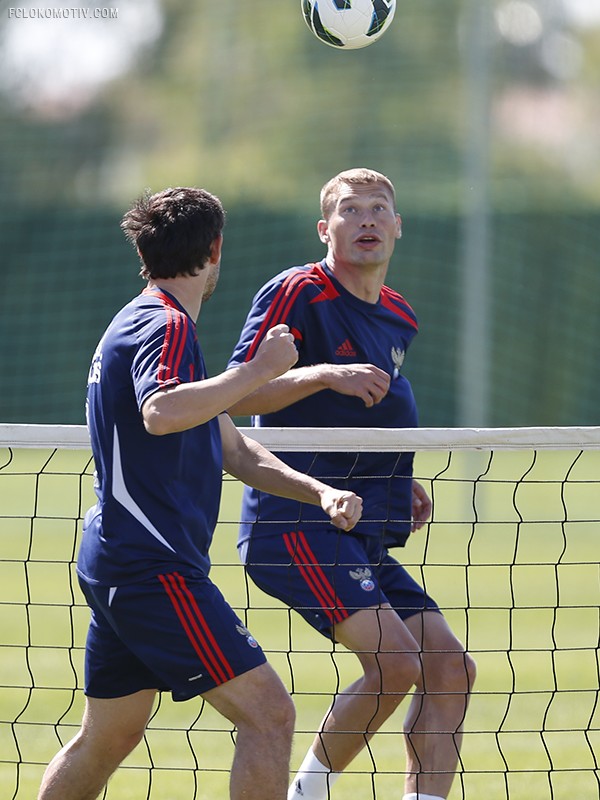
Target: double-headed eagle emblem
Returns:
[398, 358]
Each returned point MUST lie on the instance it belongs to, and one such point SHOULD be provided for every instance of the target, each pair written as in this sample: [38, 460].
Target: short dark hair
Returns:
[173, 230]
[361, 176]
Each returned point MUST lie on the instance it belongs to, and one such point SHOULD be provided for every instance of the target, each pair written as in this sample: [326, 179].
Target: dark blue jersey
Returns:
[331, 325]
[158, 496]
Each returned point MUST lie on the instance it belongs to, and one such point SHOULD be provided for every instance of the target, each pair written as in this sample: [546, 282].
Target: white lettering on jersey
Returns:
[96, 366]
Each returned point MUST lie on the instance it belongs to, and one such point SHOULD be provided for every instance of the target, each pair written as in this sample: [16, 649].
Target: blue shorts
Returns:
[171, 633]
[326, 575]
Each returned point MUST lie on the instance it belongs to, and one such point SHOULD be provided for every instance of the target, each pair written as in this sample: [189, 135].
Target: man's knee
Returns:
[454, 673]
[257, 700]
[392, 673]
[279, 711]
[112, 746]
[470, 667]
[117, 725]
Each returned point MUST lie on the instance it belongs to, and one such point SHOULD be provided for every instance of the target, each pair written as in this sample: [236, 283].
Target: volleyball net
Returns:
[511, 554]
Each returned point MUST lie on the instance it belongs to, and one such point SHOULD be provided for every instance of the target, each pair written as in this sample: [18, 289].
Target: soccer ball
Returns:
[348, 24]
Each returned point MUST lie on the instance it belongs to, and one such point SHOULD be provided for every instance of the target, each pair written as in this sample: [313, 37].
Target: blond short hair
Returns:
[351, 177]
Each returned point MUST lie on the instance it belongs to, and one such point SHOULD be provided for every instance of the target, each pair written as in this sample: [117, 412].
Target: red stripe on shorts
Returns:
[196, 628]
[304, 558]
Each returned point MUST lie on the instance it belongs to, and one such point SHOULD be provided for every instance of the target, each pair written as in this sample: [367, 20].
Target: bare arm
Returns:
[253, 464]
[190, 404]
[421, 506]
[366, 381]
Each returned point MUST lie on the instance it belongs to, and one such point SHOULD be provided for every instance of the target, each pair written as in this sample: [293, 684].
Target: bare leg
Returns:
[389, 657]
[110, 730]
[434, 723]
[256, 702]
[260, 707]
[395, 656]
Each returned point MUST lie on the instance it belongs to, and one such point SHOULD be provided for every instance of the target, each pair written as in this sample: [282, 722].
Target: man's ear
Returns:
[398, 226]
[323, 231]
[215, 249]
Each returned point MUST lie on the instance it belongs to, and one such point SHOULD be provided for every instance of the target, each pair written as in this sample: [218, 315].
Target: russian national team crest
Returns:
[245, 632]
[398, 359]
[364, 575]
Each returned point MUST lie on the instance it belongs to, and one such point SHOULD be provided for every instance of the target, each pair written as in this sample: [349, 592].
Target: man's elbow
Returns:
[156, 426]
[252, 405]
[156, 422]
[241, 409]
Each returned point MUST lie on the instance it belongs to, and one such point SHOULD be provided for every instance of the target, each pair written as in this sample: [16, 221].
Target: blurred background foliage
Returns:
[485, 114]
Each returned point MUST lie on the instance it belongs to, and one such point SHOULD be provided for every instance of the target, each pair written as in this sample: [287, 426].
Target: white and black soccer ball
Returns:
[348, 24]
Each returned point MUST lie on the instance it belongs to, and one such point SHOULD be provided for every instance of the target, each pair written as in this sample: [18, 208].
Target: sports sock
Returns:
[313, 780]
[421, 796]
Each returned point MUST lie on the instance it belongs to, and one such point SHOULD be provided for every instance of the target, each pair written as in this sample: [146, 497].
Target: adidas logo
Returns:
[346, 349]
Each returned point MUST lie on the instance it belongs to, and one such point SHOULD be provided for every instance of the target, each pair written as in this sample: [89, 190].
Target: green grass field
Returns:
[511, 555]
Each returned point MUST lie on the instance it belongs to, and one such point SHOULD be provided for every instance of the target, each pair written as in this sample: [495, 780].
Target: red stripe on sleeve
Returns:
[279, 308]
[162, 374]
[388, 297]
[181, 327]
[173, 346]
